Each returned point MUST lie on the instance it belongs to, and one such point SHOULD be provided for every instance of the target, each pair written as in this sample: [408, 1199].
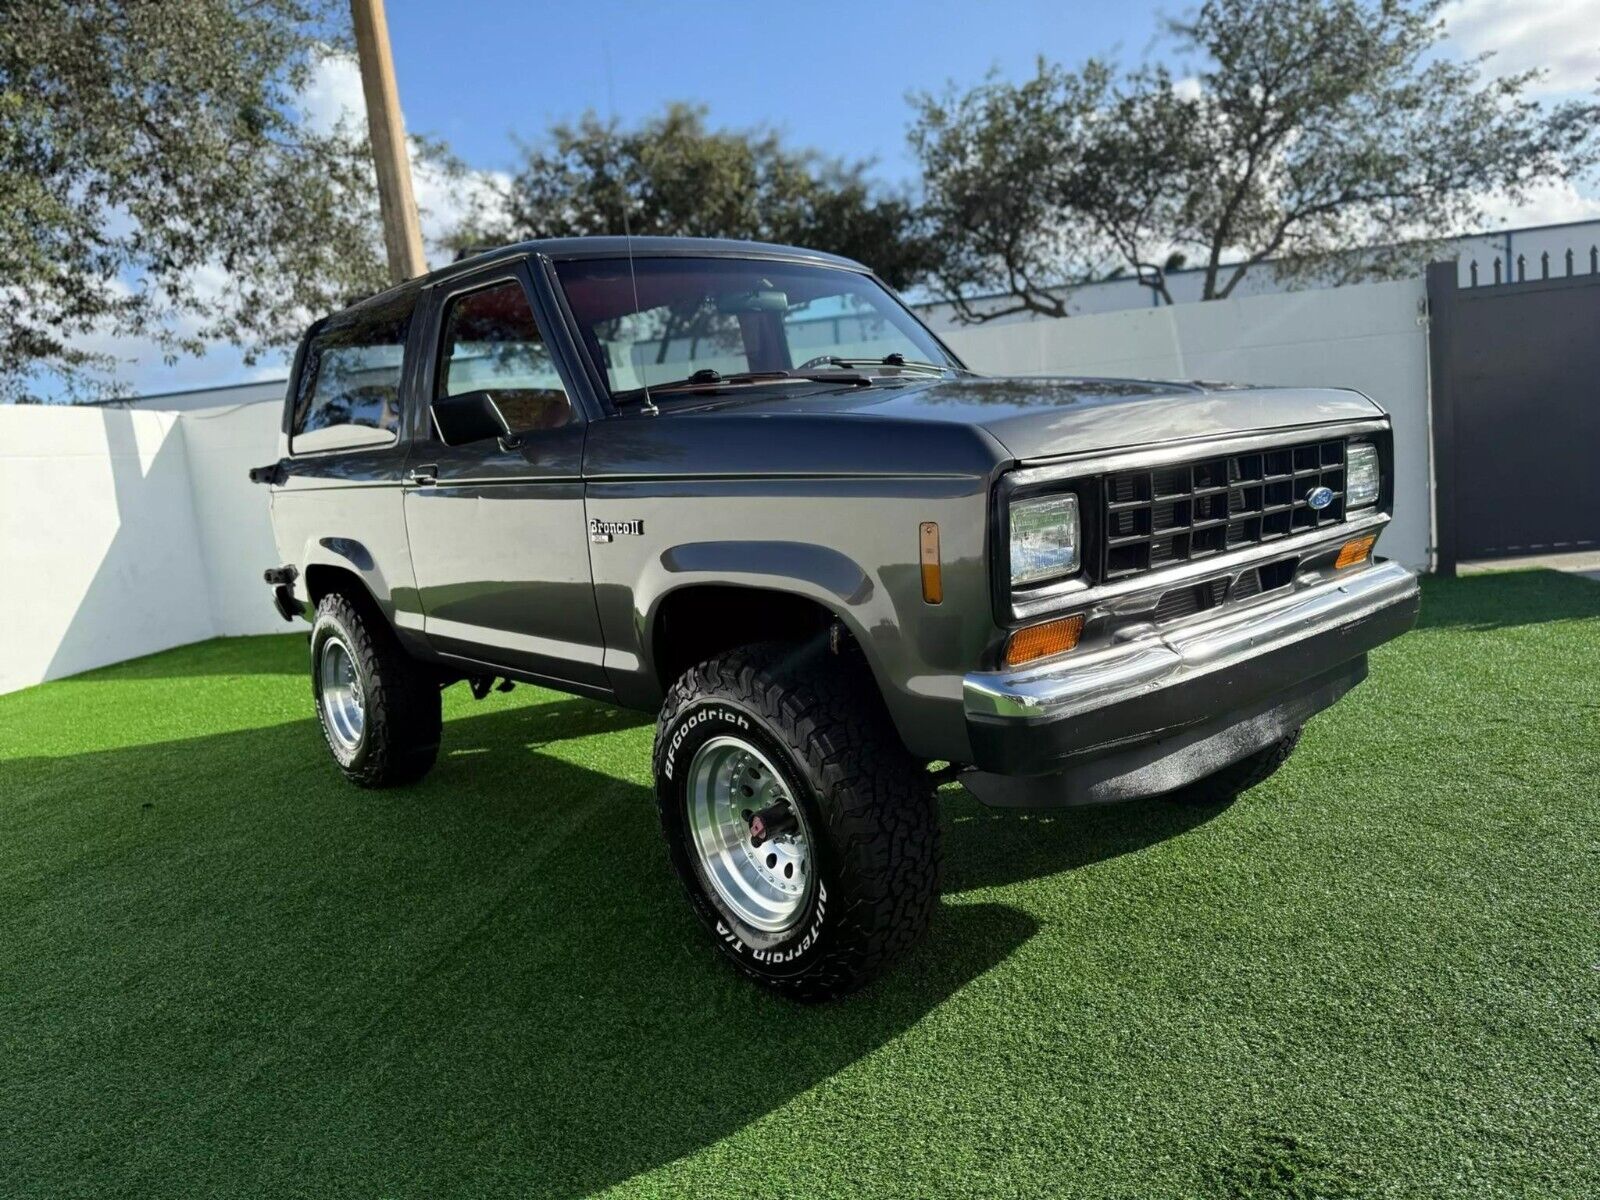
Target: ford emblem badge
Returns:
[1320, 498]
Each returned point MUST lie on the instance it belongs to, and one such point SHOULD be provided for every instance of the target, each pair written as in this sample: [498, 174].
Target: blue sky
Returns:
[830, 75]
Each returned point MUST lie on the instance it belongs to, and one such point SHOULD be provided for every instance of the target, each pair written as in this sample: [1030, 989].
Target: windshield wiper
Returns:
[708, 379]
[896, 360]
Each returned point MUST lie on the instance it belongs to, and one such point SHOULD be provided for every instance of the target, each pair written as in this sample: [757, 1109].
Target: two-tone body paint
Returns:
[815, 491]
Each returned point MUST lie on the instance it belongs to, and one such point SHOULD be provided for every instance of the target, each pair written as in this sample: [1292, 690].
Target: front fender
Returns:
[818, 570]
[912, 648]
[816, 573]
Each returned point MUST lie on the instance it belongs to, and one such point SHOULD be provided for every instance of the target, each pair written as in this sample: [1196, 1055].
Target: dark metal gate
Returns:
[1516, 409]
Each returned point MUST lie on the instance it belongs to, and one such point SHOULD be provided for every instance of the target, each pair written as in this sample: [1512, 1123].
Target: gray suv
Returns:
[743, 487]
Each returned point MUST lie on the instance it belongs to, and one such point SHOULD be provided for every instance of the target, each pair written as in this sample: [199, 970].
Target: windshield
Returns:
[734, 317]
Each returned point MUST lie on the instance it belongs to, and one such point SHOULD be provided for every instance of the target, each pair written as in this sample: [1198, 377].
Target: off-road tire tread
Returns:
[403, 718]
[1243, 775]
[882, 813]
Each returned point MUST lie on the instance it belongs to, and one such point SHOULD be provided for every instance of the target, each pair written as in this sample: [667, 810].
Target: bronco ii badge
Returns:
[604, 531]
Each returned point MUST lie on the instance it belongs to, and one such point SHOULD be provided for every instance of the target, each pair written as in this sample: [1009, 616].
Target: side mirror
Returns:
[469, 417]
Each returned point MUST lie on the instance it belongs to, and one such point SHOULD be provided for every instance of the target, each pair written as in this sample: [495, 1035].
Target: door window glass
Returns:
[491, 342]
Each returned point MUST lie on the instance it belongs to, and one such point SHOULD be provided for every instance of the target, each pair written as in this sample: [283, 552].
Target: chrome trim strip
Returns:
[1097, 462]
[1076, 593]
[1066, 687]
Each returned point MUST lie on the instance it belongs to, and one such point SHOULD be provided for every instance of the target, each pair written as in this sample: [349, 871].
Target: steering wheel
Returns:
[822, 360]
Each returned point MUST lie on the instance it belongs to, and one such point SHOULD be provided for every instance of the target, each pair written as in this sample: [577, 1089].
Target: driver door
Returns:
[498, 539]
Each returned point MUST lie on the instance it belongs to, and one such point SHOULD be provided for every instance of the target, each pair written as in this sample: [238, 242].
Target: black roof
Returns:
[613, 246]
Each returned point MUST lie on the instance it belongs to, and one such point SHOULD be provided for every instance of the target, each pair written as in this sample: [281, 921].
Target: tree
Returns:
[1327, 137]
[998, 189]
[158, 179]
[671, 175]
[1330, 124]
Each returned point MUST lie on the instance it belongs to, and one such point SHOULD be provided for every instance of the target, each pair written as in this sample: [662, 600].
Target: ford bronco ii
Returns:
[745, 488]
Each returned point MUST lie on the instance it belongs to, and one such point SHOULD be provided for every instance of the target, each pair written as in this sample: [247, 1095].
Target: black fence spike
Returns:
[1544, 264]
[1472, 273]
[1569, 260]
[1497, 270]
[1522, 268]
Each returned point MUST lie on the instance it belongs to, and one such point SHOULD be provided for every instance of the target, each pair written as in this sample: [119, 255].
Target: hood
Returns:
[1037, 417]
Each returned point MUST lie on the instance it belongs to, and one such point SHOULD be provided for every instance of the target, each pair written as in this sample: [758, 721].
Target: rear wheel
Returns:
[806, 837]
[1241, 776]
[379, 708]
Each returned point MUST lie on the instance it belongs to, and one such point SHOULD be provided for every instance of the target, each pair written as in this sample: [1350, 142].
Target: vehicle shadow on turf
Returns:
[237, 975]
[992, 847]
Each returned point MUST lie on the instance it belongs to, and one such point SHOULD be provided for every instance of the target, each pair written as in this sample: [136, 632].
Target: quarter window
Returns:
[492, 343]
[348, 394]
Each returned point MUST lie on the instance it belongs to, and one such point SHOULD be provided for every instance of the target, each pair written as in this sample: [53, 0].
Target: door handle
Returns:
[428, 473]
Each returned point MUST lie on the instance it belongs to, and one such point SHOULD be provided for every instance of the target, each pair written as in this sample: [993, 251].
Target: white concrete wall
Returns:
[99, 545]
[231, 512]
[1367, 337]
[124, 532]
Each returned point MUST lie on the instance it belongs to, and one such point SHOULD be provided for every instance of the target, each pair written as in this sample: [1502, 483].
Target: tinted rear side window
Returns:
[348, 394]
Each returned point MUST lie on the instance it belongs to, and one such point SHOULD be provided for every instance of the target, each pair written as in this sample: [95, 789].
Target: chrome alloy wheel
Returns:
[344, 706]
[765, 886]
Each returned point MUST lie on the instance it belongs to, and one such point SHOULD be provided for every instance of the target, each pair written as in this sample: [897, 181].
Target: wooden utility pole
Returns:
[402, 234]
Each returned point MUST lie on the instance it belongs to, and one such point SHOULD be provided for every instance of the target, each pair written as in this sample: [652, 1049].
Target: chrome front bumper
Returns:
[1037, 718]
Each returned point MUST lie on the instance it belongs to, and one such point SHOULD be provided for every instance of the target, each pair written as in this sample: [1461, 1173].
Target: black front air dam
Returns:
[1141, 729]
[1152, 767]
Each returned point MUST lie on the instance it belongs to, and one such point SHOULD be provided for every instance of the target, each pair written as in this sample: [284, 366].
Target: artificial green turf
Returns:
[223, 972]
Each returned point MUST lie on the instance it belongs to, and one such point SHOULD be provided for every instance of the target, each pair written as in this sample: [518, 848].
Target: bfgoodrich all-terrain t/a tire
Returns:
[379, 708]
[847, 874]
[1241, 776]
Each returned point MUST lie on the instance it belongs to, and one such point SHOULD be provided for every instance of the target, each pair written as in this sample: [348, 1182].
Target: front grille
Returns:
[1154, 518]
[1187, 601]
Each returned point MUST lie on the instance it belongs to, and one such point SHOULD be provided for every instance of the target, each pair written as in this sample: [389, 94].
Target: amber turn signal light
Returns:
[1354, 552]
[932, 571]
[1041, 641]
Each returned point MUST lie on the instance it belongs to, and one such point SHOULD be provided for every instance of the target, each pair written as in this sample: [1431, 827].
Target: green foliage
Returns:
[1311, 128]
[157, 179]
[672, 175]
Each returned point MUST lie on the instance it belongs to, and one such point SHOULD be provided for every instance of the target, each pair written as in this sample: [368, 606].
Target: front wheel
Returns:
[379, 708]
[806, 837]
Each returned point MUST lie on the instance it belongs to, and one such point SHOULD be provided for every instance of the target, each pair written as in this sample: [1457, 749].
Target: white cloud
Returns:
[1561, 37]
[1555, 203]
[333, 94]
[334, 97]
[443, 201]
